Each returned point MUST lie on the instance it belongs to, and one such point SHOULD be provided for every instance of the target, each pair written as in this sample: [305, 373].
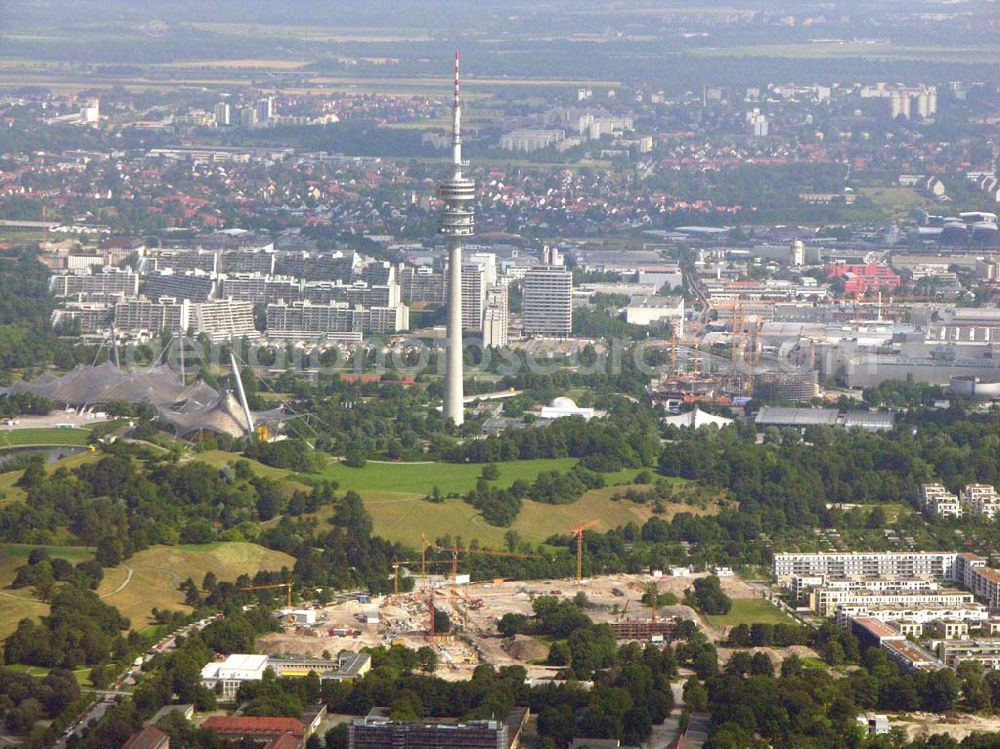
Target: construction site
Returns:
[473, 610]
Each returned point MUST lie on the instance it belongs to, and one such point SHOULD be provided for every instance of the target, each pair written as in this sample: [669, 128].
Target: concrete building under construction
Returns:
[644, 629]
[796, 385]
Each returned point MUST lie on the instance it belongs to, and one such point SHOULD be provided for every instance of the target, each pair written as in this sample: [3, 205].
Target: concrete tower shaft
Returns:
[457, 222]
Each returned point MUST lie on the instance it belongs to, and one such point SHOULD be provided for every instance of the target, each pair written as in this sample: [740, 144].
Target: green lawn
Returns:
[50, 436]
[812, 662]
[421, 478]
[82, 675]
[398, 516]
[394, 496]
[750, 611]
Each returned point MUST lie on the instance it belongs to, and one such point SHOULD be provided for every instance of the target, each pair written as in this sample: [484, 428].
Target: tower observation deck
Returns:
[457, 223]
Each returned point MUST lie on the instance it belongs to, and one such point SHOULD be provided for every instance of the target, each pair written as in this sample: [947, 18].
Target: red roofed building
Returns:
[260, 729]
[860, 279]
[286, 741]
[148, 738]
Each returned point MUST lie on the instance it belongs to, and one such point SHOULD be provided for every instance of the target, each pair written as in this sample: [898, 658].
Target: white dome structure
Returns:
[563, 401]
[564, 406]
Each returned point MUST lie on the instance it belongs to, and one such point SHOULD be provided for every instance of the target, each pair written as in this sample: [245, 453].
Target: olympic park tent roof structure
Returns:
[106, 383]
[224, 415]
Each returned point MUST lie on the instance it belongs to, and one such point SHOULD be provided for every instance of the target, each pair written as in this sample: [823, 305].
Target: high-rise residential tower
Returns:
[548, 301]
[457, 224]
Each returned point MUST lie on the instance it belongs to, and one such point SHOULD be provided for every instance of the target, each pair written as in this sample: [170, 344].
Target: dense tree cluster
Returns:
[24, 699]
[791, 483]
[79, 629]
[707, 596]
[133, 498]
[27, 339]
[292, 453]
[42, 572]
[500, 507]
[624, 442]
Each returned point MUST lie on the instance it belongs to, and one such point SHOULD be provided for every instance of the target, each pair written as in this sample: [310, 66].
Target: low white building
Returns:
[233, 671]
[653, 310]
[696, 420]
[562, 407]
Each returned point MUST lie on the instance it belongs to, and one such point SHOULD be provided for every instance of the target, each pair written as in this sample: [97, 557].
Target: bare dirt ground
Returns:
[474, 610]
[919, 725]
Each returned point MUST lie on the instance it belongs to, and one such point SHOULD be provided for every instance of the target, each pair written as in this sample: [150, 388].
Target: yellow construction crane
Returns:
[423, 569]
[692, 343]
[288, 587]
[578, 532]
[455, 551]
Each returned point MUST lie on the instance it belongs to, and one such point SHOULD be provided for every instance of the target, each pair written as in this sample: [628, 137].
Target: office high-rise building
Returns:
[473, 296]
[457, 224]
[265, 109]
[248, 117]
[223, 114]
[548, 301]
[496, 318]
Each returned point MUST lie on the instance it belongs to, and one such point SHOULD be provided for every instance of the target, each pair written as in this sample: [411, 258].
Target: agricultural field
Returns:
[858, 50]
[750, 611]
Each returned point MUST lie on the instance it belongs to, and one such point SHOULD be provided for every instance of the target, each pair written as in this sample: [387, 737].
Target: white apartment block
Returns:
[933, 565]
[109, 281]
[547, 308]
[806, 589]
[195, 285]
[220, 320]
[829, 600]
[980, 579]
[528, 140]
[473, 297]
[223, 320]
[307, 321]
[965, 569]
[980, 500]
[938, 501]
[917, 613]
[144, 317]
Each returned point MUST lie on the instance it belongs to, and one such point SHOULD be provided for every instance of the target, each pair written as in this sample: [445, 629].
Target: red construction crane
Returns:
[578, 532]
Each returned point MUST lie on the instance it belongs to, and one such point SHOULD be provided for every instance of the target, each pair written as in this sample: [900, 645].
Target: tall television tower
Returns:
[457, 223]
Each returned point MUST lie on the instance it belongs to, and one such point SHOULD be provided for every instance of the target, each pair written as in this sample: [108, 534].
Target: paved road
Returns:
[129, 675]
[126, 581]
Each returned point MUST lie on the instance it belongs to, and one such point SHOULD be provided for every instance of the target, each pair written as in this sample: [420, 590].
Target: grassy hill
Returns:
[394, 496]
[147, 580]
[404, 517]
[157, 571]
